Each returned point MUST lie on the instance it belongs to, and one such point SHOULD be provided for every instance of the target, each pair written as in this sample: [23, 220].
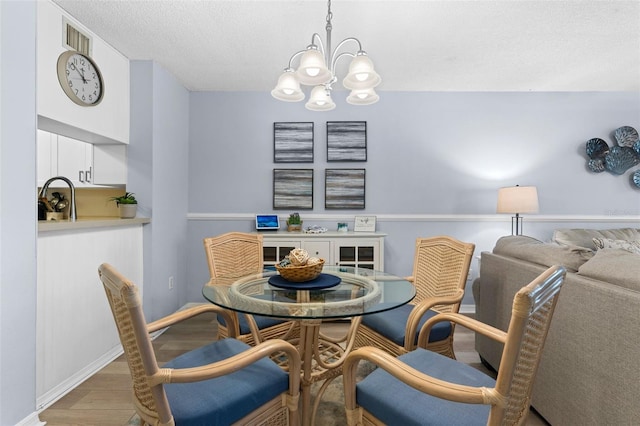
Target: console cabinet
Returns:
[359, 249]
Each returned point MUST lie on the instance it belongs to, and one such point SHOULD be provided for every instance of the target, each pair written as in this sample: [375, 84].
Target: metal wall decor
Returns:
[618, 158]
[344, 189]
[293, 142]
[293, 188]
[346, 141]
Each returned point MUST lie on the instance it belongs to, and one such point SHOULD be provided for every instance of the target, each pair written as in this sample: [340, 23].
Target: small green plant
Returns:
[294, 219]
[127, 198]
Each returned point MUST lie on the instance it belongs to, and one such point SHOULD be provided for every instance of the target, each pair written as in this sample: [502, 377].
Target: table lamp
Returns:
[516, 200]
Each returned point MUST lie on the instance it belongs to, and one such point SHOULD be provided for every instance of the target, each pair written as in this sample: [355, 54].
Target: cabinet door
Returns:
[321, 249]
[275, 251]
[47, 157]
[74, 161]
[359, 253]
[89, 165]
[109, 165]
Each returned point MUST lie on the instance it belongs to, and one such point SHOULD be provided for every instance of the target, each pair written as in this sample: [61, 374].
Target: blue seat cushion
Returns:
[225, 399]
[262, 322]
[396, 403]
[391, 324]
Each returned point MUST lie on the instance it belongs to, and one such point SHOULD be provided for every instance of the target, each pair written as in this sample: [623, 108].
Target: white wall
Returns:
[17, 211]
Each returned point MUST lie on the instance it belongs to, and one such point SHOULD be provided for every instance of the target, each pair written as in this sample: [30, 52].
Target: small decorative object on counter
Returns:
[343, 227]
[294, 223]
[127, 204]
[315, 229]
[299, 267]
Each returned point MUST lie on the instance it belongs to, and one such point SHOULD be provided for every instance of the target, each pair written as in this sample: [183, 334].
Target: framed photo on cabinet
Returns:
[344, 189]
[293, 188]
[293, 142]
[346, 141]
[364, 224]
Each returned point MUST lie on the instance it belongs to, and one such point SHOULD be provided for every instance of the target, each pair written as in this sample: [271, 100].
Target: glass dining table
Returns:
[339, 293]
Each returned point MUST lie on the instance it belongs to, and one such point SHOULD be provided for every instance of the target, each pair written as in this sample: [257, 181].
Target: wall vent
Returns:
[75, 39]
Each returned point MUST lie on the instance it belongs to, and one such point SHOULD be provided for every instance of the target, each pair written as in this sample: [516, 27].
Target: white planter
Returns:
[128, 211]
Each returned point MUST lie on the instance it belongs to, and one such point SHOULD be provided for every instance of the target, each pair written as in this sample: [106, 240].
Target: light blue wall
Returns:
[435, 163]
[158, 162]
[17, 210]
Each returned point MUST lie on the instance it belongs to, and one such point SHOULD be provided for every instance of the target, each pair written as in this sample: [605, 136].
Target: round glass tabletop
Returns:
[359, 291]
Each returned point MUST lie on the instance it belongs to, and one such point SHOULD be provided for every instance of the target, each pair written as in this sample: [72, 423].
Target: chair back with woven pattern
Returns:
[126, 306]
[533, 308]
[440, 268]
[234, 254]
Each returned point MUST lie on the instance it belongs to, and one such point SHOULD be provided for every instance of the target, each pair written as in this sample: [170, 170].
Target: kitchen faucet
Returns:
[73, 215]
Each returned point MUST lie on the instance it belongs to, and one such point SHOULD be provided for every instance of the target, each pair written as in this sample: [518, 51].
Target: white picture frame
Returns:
[365, 224]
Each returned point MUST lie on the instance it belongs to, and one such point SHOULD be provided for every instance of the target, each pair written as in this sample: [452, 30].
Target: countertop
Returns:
[89, 223]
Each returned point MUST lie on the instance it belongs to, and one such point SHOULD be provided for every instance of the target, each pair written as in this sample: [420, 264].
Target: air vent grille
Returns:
[76, 40]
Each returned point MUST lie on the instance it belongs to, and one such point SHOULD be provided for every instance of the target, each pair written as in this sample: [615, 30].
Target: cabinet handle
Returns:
[88, 175]
[81, 176]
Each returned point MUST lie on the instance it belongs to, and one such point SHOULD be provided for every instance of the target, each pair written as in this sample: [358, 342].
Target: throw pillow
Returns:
[630, 246]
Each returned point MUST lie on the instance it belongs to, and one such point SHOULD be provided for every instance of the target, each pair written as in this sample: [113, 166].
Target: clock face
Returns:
[80, 78]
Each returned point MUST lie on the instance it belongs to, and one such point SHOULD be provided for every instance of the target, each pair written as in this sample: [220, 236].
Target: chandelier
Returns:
[317, 67]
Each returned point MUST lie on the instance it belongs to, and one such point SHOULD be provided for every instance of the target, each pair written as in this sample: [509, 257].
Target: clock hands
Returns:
[80, 72]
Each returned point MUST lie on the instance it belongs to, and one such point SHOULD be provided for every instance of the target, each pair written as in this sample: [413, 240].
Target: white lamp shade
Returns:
[363, 97]
[518, 199]
[320, 100]
[361, 74]
[288, 88]
[312, 69]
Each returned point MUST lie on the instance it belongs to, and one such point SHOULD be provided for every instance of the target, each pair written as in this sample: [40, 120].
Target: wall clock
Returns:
[80, 78]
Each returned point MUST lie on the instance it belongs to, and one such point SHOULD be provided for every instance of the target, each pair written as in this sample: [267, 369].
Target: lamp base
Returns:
[516, 224]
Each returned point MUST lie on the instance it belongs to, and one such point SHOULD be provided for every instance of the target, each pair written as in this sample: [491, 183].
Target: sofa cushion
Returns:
[584, 237]
[603, 243]
[546, 254]
[614, 266]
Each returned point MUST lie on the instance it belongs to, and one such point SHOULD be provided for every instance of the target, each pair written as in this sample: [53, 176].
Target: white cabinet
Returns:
[107, 122]
[86, 165]
[359, 249]
[76, 335]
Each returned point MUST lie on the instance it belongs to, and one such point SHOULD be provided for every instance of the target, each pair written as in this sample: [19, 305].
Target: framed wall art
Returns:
[346, 141]
[293, 188]
[293, 142]
[344, 188]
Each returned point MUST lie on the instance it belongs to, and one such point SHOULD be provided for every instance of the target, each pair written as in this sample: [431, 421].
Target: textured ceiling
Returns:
[420, 45]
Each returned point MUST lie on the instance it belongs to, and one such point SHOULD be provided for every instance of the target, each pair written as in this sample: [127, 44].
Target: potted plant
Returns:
[128, 205]
[294, 223]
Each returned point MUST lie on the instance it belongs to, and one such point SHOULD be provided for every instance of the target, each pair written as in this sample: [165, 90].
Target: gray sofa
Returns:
[590, 369]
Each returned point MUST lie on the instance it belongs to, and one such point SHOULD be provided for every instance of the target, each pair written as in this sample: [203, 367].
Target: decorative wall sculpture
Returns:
[293, 142]
[293, 189]
[618, 158]
[346, 141]
[344, 188]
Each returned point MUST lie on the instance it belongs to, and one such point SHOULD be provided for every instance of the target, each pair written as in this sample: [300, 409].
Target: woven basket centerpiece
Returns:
[299, 267]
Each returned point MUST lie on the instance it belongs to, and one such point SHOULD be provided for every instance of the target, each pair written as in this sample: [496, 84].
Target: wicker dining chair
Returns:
[423, 387]
[225, 382]
[440, 270]
[234, 255]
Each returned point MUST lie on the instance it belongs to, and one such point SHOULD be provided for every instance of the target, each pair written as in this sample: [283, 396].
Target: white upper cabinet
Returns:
[86, 165]
[108, 121]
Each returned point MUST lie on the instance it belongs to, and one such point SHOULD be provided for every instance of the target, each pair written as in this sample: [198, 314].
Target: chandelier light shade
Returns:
[516, 200]
[363, 97]
[316, 67]
[288, 88]
[320, 100]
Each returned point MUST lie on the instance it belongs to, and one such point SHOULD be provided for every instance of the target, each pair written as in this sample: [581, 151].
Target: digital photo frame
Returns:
[267, 222]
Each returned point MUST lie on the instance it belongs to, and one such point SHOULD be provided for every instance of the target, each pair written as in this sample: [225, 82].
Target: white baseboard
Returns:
[48, 398]
[31, 420]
